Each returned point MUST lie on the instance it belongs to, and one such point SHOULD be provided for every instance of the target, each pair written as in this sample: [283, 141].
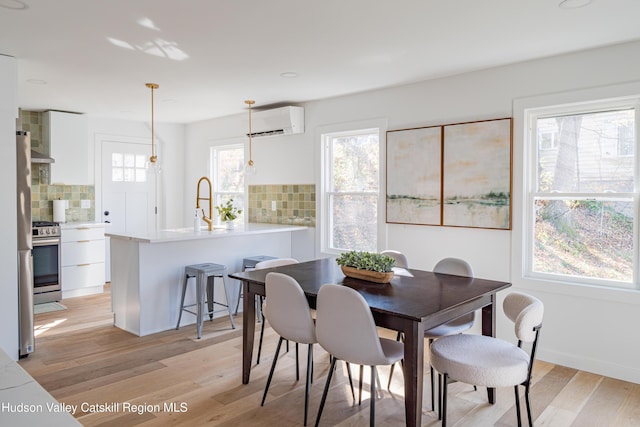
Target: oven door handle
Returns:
[43, 242]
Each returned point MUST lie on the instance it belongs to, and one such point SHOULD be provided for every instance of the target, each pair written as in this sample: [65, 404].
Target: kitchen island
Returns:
[147, 270]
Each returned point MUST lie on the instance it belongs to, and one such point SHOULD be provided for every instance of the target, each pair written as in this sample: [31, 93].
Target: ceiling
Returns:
[208, 56]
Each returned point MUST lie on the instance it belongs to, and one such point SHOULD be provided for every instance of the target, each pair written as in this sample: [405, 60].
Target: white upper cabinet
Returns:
[68, 135]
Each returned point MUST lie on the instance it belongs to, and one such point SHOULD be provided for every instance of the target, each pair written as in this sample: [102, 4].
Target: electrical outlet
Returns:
[85, 204]
[273, 205]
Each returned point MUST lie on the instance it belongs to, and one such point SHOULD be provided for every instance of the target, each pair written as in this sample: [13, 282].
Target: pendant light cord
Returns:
[250, 102]
[153, 157]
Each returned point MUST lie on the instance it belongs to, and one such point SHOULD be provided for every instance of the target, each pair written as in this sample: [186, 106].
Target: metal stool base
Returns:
[205, 275]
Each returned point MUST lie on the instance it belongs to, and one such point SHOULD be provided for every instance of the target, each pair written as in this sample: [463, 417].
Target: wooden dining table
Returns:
[414, 301]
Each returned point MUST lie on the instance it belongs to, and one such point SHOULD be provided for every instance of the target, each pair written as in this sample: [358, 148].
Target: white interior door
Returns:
[128, 191]
[128, 188]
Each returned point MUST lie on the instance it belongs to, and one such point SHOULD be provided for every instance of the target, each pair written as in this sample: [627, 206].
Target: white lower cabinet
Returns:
[83, 259]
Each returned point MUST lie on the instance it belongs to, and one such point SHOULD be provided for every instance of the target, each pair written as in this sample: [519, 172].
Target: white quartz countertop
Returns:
[23, 402]
[184, 234]
[83, 224]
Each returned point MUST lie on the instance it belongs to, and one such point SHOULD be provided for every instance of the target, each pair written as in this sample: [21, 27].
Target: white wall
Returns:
[577, 319]
[8, 216]
[278, 159]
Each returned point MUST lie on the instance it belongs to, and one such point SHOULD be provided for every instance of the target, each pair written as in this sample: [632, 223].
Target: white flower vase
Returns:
[230, 225]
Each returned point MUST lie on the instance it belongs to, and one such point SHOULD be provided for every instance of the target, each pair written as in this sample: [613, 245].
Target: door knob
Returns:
[106, 213]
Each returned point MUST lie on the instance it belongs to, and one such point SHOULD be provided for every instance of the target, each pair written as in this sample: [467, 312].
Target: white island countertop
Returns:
[188, 233]
[83, 224]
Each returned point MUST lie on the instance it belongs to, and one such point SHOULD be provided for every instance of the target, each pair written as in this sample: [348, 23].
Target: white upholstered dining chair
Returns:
[277, 262]
[289, 315]
[345, 329]
[270, 263]
[491, 362]
[456, 267]
[399, 257]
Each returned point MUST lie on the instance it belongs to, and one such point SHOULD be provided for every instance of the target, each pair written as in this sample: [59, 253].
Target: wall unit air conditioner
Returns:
[277, 121]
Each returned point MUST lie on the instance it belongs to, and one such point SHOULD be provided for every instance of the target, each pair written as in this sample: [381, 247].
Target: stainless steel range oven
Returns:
[46, 262]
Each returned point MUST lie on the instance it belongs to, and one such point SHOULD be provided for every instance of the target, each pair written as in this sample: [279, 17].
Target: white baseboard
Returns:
[73, 293]
[600, 367]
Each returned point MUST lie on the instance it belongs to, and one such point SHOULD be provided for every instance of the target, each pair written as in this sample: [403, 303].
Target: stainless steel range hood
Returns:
[40, 158]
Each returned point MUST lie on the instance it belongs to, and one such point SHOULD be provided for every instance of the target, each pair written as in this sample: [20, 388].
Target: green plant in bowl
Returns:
[370, 261]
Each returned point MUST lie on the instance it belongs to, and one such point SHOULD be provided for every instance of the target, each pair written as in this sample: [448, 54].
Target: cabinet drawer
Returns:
[82, 233]
[82, 276]
[82, 252]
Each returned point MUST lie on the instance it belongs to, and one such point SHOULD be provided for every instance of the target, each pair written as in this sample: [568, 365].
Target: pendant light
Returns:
[154, 158]
[250, 169]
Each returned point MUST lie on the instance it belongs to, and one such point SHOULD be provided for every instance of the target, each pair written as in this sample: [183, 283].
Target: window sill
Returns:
[578, 290]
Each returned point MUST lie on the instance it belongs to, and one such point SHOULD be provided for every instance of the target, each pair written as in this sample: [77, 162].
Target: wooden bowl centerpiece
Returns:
[369, 266]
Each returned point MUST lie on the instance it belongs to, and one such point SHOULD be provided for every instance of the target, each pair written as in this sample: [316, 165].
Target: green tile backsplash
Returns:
[43, 194]
[294, 204]
[42, 197]
[32, 123]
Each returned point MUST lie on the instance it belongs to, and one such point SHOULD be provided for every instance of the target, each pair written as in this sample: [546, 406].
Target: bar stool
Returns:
[250, 262]
[205, 274]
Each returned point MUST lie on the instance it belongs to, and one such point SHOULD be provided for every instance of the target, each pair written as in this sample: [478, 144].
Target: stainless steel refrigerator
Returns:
[25, 258]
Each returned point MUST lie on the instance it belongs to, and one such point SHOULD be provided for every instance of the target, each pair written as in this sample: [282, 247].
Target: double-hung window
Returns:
[227, 175]
[351, 183]
[582, 204]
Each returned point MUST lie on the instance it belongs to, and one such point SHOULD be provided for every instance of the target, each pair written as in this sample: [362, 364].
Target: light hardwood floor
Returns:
[81, 358]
